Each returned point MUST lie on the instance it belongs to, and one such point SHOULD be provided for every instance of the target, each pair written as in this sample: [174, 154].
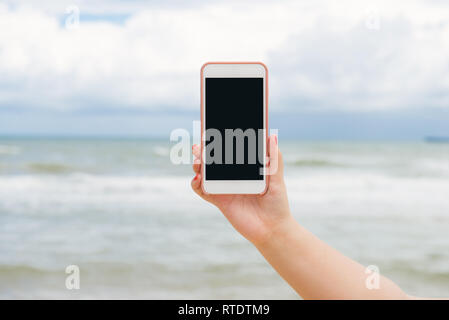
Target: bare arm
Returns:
[317, 271]
[313, 268]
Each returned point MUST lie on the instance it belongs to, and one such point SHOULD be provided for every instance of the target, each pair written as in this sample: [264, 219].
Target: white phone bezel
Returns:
[234, 70]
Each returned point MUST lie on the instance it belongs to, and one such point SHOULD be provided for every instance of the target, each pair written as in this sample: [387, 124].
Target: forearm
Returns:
[316, 270]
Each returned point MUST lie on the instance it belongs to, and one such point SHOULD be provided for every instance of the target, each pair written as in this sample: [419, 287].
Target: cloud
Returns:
[398, 66]
[321, 54]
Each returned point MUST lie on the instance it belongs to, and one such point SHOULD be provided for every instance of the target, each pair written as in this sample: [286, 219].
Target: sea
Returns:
[121, 212]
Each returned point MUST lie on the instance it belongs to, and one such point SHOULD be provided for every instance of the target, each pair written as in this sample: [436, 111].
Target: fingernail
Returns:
[276, 139]
[196, 177]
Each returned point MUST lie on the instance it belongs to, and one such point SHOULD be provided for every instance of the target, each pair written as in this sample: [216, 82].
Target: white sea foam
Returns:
[438, 167]
[161, 151]
[47, 194]
[361, 193]
[136, 229]
[331, 192]
[9, 150]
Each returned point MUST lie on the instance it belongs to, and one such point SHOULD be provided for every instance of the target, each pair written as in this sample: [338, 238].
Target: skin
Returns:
[311, 267]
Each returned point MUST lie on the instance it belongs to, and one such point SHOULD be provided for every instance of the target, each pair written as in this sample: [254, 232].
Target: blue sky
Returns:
[338, 70]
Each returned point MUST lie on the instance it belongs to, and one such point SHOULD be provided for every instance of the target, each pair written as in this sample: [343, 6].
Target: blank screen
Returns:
[234, 103]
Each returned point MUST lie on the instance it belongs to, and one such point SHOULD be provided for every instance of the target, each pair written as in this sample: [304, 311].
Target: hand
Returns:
[256, 217]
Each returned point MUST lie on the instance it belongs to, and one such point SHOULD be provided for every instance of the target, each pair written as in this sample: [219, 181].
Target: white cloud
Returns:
[320, 54]
[397, 66]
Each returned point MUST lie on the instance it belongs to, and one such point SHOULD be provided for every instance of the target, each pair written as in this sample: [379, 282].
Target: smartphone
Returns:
[234, 122]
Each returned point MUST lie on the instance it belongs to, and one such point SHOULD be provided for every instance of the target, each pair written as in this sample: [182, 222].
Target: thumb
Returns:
[276, 164]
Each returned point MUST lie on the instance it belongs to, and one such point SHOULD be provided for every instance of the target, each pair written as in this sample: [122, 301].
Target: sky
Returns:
[337, 69]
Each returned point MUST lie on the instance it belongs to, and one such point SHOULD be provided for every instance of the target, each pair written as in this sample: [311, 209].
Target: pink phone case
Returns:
[267, 178]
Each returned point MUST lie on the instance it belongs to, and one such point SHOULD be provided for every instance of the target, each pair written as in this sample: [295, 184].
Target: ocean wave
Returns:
[345, 192]
[75, 192]
[9, 150]
[83, 183]
[435, 166]
[161, 151]
[21, 270]
[313, 163]
[49, 168]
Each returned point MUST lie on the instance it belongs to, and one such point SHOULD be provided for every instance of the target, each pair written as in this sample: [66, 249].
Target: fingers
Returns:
[196, 184]
[196, 150]
[215, 199]
[275, 167]
[196, 181]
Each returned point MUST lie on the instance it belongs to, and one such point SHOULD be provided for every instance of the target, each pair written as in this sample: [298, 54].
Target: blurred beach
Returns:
[127, 217]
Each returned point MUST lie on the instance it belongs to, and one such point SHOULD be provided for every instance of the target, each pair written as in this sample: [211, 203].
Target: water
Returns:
[127, 217]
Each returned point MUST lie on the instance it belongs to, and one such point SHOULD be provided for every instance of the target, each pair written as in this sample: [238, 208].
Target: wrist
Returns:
[277, 233]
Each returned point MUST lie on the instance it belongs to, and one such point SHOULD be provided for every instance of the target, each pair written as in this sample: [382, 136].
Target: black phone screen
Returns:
[234, 116]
